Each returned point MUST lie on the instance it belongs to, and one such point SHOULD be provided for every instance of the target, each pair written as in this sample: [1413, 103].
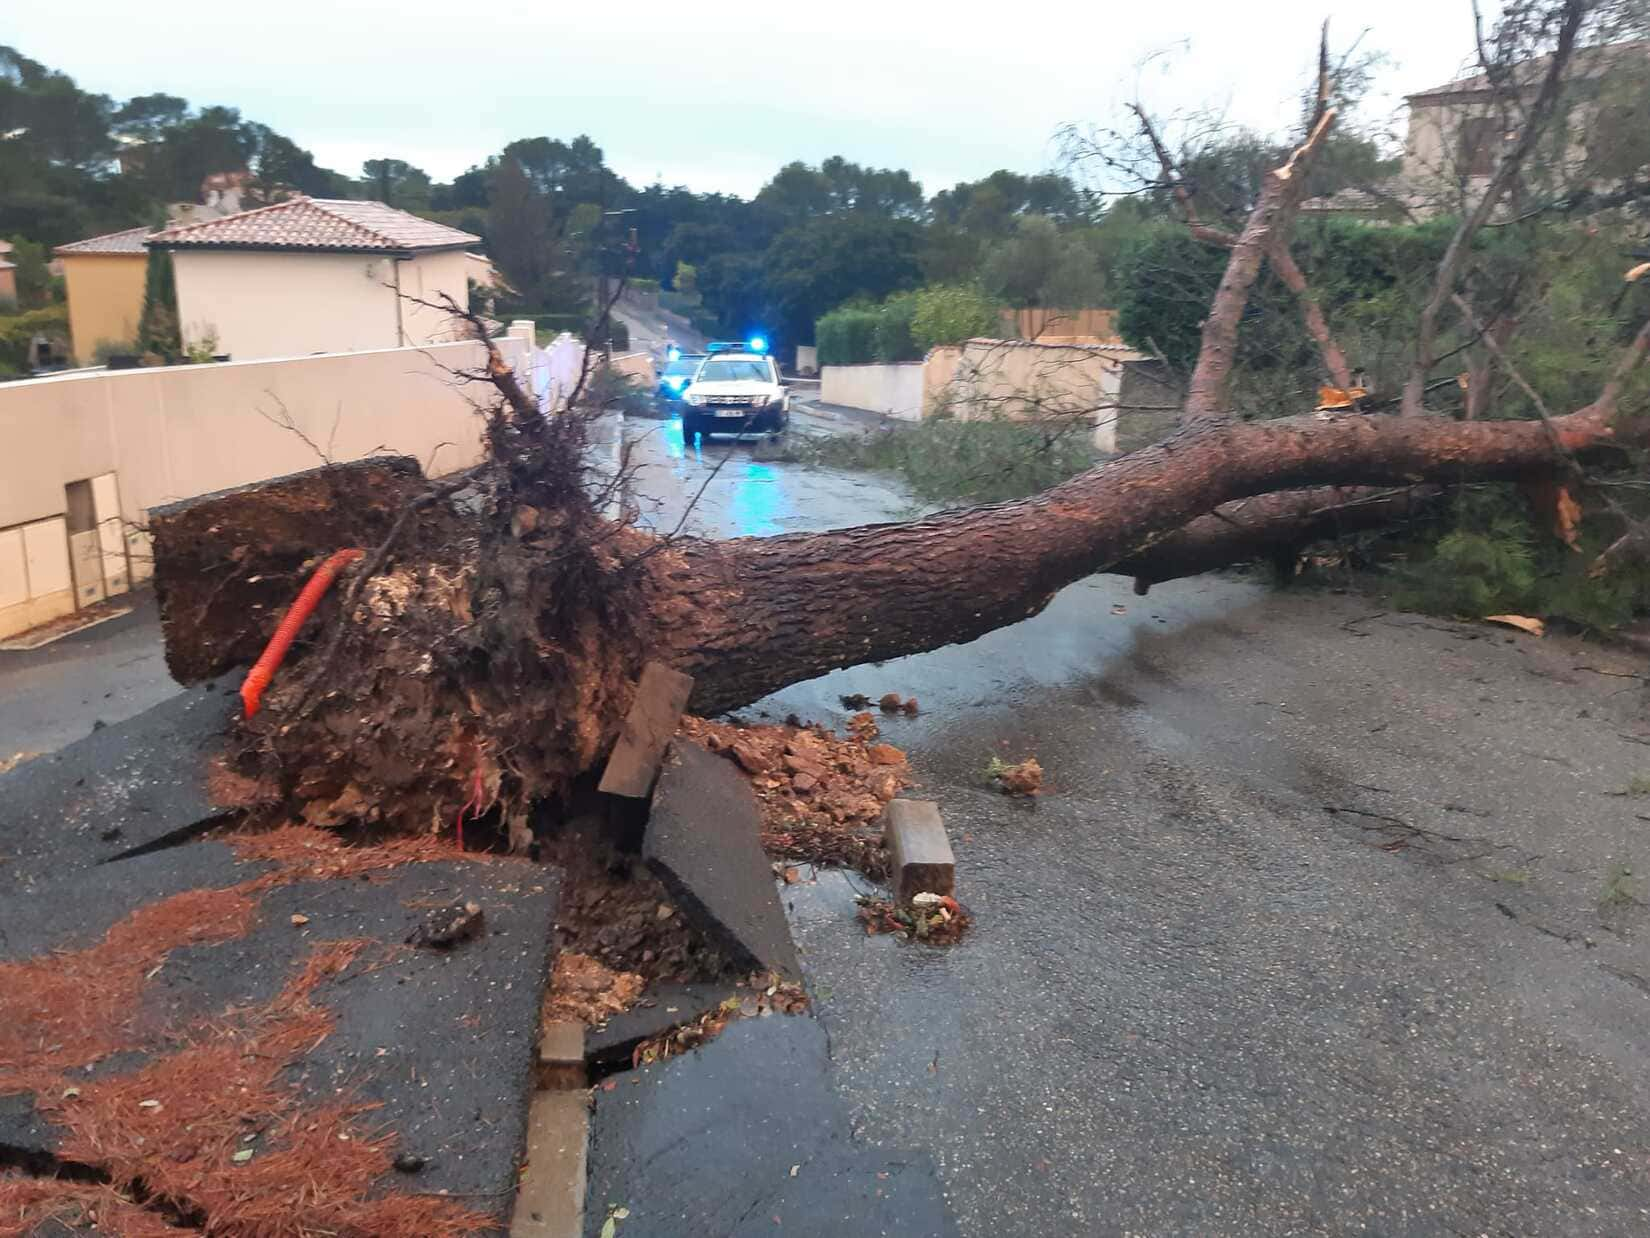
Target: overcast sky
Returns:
[949, 91]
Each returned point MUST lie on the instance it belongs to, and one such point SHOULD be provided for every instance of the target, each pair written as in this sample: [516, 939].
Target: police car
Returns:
[736, 390]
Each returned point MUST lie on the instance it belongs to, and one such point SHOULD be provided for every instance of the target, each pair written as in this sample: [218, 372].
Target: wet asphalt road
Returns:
[1320, 927]
[1305, 937]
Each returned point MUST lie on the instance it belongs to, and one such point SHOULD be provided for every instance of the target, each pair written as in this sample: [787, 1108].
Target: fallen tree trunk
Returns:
[484, 654]
[750, 615]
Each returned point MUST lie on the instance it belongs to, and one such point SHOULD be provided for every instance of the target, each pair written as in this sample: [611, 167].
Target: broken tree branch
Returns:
[1277, 249]
[1268, 226]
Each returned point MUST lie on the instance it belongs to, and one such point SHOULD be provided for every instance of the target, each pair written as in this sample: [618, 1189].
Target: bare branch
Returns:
[1449, 268]
[1317, 326]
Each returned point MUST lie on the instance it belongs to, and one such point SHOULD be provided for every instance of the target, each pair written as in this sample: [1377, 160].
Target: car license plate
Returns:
[733, 412]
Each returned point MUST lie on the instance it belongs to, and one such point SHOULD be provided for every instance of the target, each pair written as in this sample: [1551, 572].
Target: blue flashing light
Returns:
[758, 343]
[675, 353]
[676, 384]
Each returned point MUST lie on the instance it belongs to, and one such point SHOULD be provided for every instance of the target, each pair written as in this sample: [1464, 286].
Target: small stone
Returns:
[803, 783]
[885, 754]
[407, 1163]
[447, 926]
[298, 921]
[910, 707]
[891, 703]
[665, 911]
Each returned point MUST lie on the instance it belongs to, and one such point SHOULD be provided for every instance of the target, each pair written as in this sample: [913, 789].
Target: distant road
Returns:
[652, 330]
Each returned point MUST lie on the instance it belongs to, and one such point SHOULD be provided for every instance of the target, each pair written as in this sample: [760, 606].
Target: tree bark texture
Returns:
[751, 615]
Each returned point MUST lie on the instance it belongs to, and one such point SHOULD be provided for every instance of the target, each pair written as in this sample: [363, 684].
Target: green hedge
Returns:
[902, 328]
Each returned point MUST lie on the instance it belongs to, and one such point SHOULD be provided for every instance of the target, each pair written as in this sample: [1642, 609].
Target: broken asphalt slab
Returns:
[745, 1136]
[140, 783]
[704, 841]
[440, 1043]
[665, 1006]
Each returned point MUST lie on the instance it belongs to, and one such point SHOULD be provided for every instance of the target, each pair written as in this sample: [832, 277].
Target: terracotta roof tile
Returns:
[324, 224]
[129, 241]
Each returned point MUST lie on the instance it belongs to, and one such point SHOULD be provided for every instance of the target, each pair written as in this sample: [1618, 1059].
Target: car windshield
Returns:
[750, 371]
[682, 365]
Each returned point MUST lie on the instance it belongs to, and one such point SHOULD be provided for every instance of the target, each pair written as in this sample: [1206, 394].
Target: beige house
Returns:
[1458, 132]
[312, 275]
[103, 277]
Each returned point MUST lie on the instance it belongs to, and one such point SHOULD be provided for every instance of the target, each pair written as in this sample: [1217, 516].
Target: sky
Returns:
[948, 91]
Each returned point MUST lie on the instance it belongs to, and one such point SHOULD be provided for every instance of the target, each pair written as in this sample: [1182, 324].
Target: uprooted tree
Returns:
[482, 653]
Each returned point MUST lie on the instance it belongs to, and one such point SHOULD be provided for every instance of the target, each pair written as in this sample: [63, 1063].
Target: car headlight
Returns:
[695, 400]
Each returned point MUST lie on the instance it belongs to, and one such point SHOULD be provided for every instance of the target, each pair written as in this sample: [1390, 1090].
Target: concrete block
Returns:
[550, 1201]
[661, 695]
[704, 840]
[919, 853]
[561, 1056]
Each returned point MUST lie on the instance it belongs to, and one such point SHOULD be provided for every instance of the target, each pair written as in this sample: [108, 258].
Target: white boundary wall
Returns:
[148, 437]
[894, 390]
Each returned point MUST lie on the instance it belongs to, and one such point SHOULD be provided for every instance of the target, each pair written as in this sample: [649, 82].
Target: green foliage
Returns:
[950, 315]
[36, 286]
[903, 327]
[948, 461]
[892, 339]
[1487, 556]
[847, 336]
[158, 330]
[1470, 575]
[105, 350]
[396, 183]
[18, 332]
[1044, 266]
[829, 261]
[686, 278]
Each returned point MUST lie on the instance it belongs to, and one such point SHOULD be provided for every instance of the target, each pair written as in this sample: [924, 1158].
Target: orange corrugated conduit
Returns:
[257, 679]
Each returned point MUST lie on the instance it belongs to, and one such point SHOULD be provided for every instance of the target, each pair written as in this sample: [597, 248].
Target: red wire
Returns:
[257, 679]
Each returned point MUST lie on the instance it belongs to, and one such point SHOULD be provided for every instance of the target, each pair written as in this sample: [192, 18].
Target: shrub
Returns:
[18, 331]
[847, 336]
[1470, 575]
[891, 341]
[862, 334]
[950, 315]
[1490, 556]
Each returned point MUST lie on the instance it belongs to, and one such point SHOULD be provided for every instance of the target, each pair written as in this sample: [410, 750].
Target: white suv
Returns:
[735, 393]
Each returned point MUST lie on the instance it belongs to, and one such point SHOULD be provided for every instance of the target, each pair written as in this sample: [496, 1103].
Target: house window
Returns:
[1480, 146]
